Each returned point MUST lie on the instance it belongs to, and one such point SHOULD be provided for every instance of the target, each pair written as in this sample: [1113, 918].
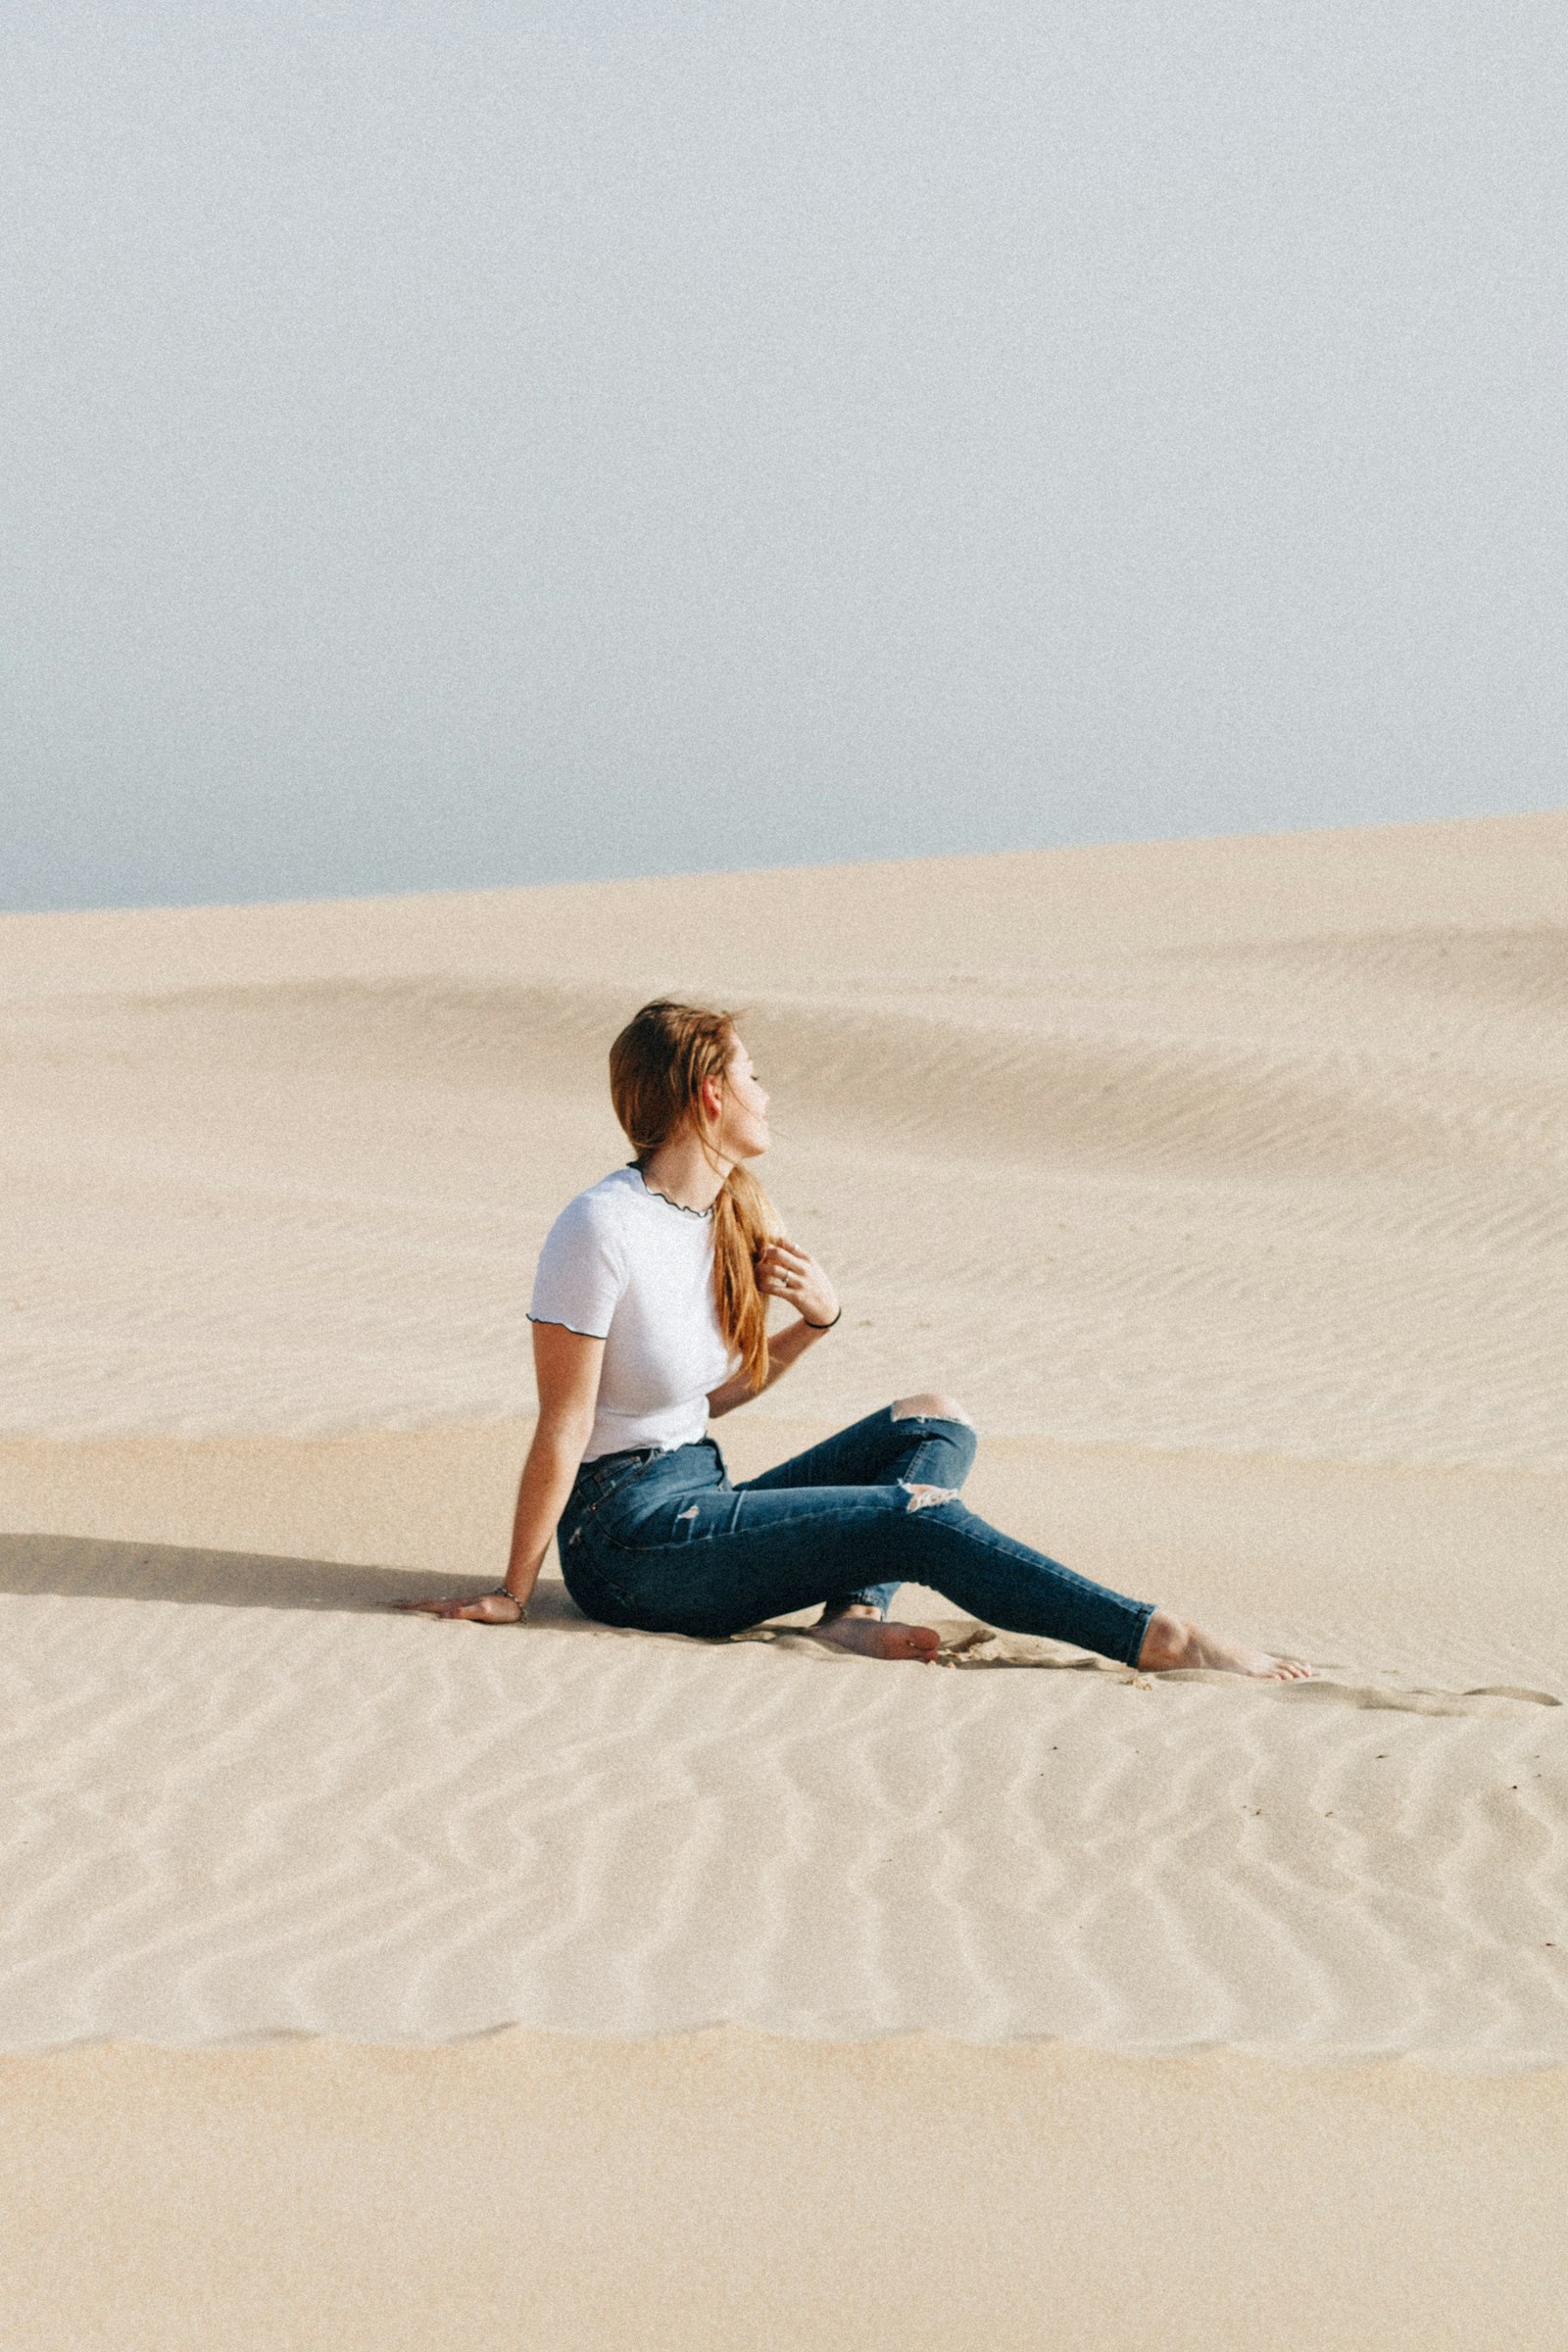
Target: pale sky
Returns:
[474, 444]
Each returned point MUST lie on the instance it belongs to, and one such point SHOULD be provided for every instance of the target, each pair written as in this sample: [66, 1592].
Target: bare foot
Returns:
[861, 1629]
[1170, 1643]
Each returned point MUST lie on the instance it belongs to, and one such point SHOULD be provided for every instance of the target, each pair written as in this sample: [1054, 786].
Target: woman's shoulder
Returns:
[602, 1206]
[588, 1233]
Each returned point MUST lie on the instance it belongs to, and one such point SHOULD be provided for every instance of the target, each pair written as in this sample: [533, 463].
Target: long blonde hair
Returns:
[657, 1068]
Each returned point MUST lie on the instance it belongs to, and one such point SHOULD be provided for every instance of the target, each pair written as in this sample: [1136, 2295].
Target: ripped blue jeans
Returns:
[665, 1541]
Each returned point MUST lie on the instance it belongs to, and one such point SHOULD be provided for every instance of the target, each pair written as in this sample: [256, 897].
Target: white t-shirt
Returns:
[628, 1266]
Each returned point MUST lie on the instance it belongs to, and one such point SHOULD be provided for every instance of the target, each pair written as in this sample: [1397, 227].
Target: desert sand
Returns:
[596, 1988]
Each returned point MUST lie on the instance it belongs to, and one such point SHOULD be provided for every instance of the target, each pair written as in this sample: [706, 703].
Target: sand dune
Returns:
[1224, 1180]
[871, 927]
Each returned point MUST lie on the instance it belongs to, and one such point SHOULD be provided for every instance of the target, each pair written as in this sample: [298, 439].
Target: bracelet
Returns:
[811, 1326]
[507, 1593]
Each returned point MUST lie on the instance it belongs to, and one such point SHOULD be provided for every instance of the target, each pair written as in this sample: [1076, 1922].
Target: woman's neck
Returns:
[682, 1171]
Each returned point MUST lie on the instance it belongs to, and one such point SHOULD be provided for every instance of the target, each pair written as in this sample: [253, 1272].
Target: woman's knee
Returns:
[929, 1406]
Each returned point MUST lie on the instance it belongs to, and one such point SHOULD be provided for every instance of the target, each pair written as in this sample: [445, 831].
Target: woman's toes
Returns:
[918, 1640]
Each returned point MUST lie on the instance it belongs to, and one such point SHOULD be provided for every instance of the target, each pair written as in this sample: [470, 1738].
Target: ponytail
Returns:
[743, 1222]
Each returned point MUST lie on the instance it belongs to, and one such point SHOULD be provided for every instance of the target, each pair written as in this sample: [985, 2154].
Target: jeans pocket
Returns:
[583, 1572]
[595, 1495]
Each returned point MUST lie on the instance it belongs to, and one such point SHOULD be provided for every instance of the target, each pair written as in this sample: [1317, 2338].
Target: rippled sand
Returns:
[242, 1798]
[1225, 1182]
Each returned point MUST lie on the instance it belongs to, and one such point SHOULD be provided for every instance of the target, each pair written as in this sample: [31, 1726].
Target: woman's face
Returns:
[742, 1109]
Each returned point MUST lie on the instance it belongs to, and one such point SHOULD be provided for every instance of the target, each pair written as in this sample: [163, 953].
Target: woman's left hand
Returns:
[794, 1275]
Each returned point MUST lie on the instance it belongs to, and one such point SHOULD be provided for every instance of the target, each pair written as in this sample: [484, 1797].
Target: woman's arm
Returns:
[784, 1272]
[566, 1369]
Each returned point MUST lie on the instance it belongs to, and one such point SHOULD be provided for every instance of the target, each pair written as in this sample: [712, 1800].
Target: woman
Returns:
[650, 1315]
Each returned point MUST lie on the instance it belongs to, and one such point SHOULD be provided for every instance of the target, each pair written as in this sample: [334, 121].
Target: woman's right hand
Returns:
[479, 1608]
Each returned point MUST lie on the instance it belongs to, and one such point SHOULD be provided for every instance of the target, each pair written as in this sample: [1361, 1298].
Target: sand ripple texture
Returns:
[1296, 1197]
[299, 1815]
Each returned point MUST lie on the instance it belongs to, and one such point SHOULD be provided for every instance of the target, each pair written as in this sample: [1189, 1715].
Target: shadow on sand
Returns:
[87, 1568]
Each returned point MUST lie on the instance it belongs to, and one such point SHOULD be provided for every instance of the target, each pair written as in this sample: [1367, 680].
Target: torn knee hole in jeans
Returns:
[691, 1514]
[922, 1498]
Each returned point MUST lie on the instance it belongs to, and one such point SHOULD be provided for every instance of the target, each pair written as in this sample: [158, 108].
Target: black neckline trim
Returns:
[654, 1194]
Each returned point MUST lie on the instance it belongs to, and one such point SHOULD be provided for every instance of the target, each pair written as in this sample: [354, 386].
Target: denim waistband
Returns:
[628, 1458]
